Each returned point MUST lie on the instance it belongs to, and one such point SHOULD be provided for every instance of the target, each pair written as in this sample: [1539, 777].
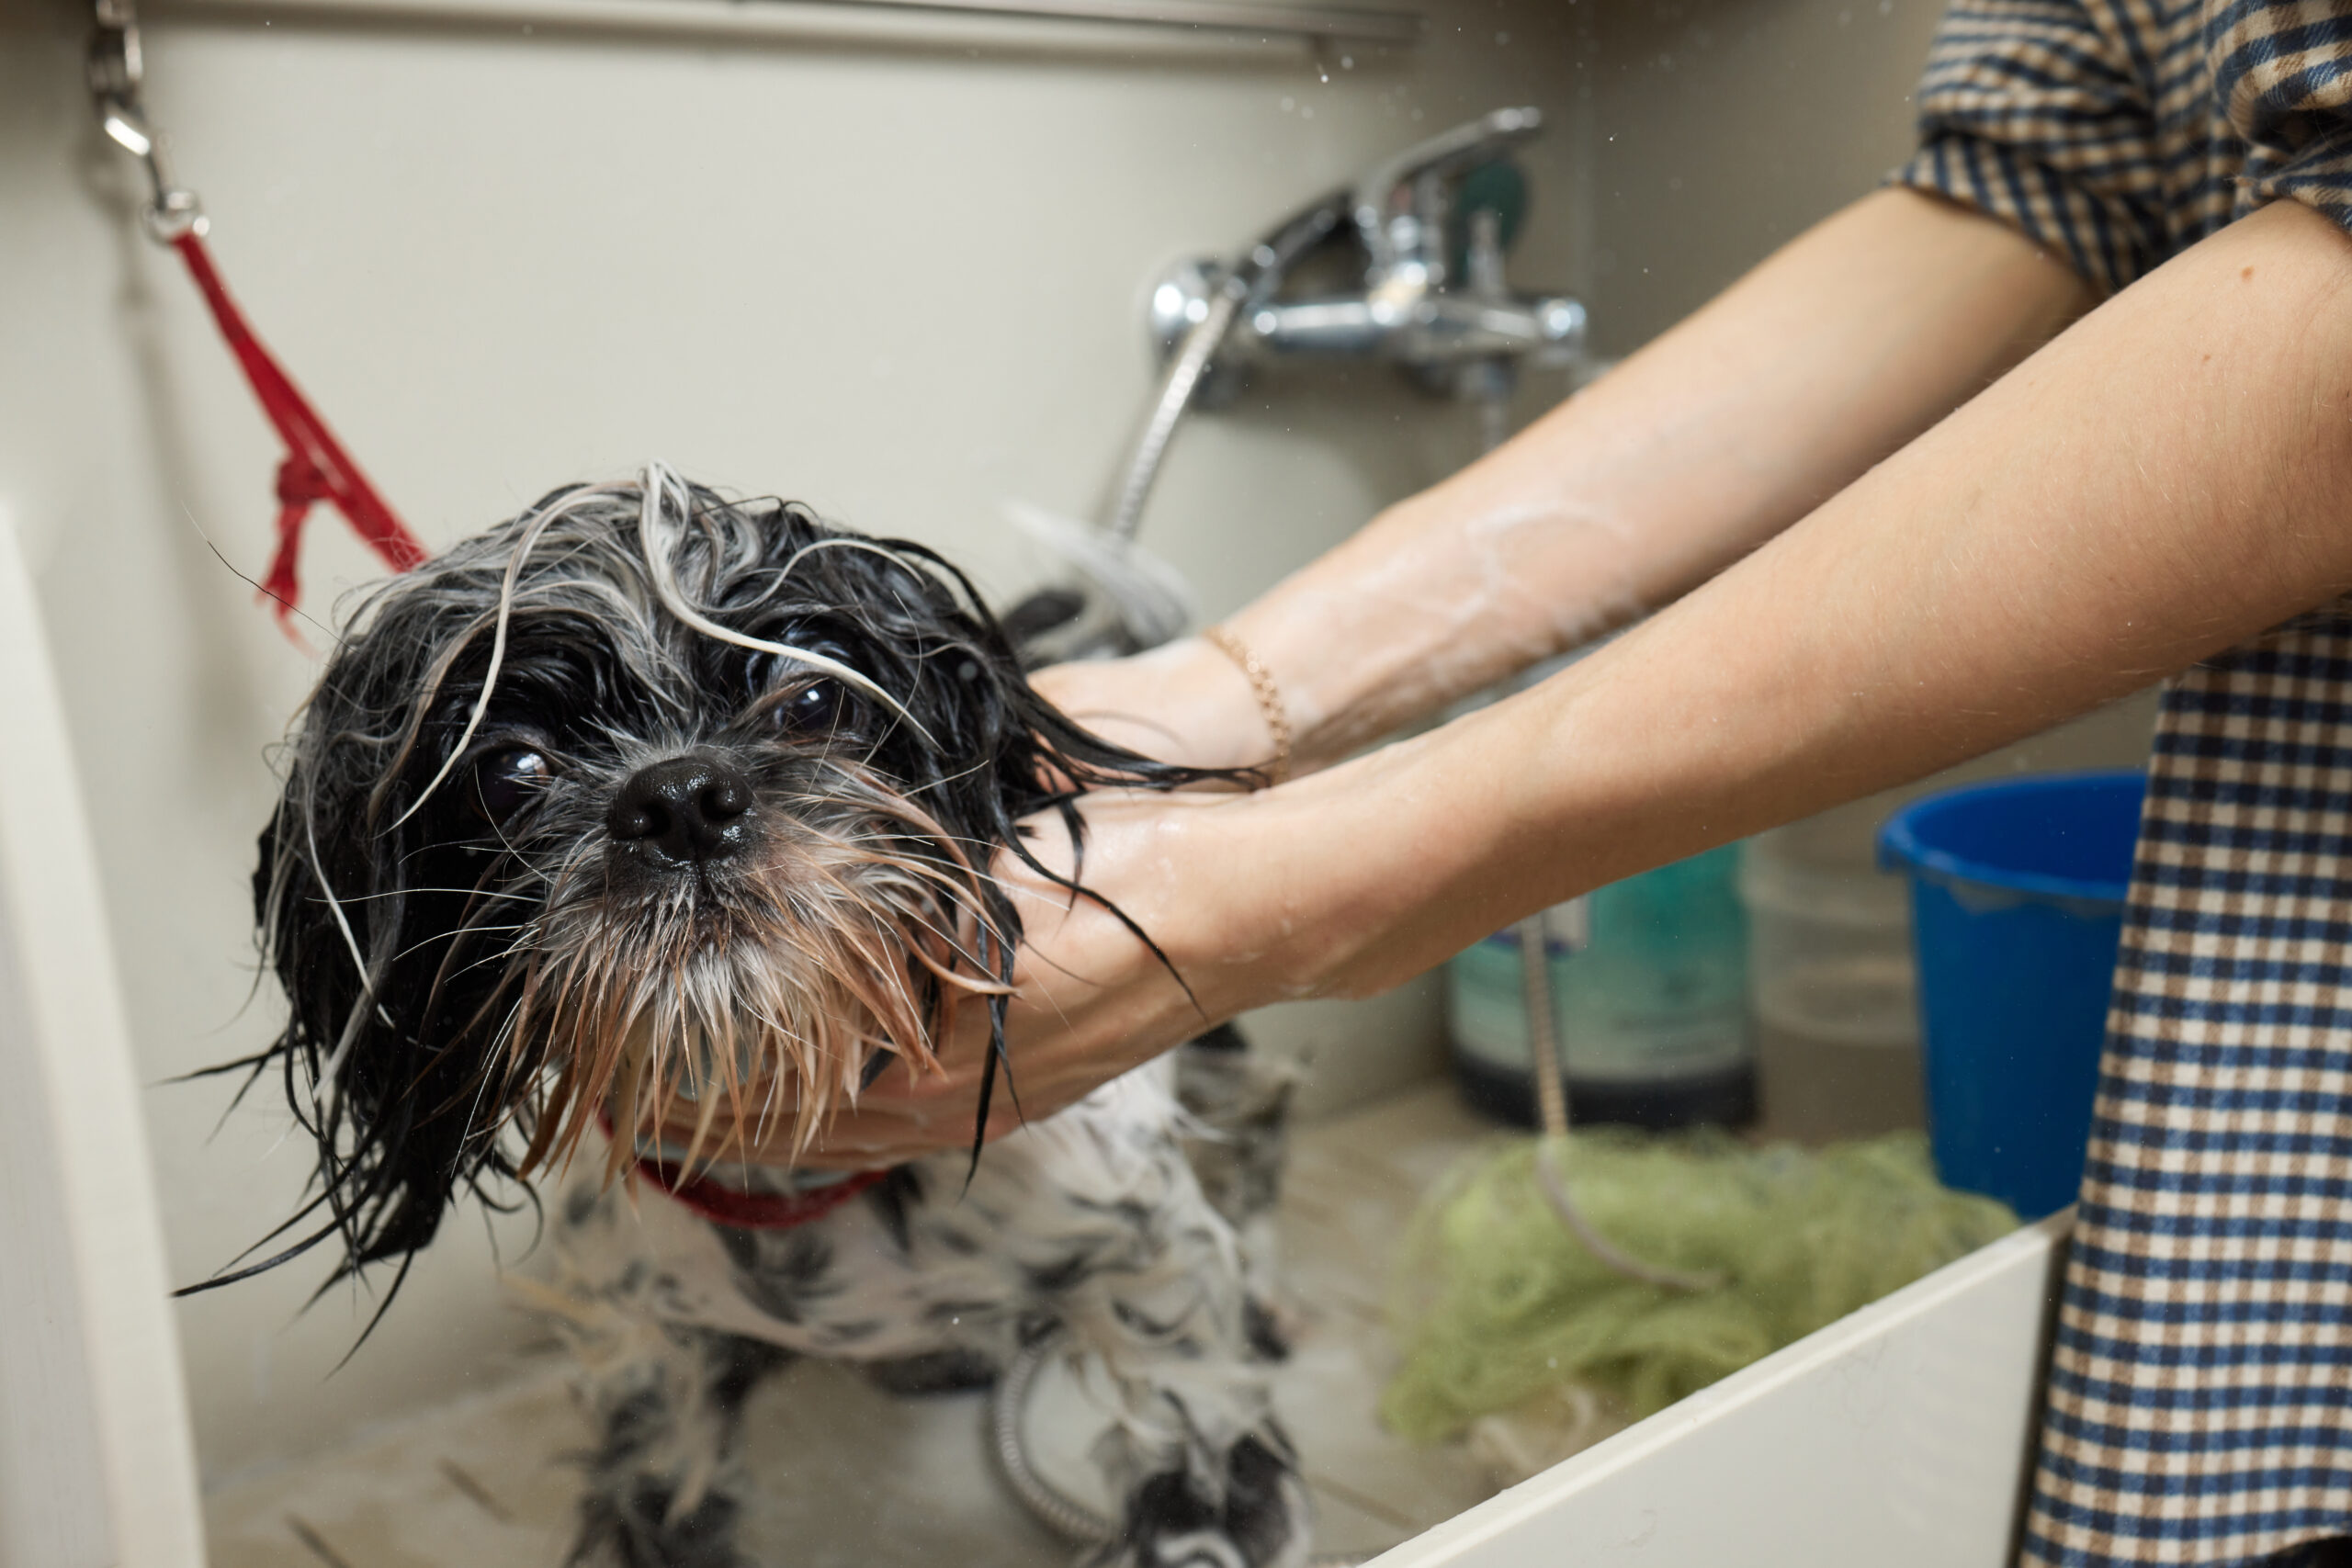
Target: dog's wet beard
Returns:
[487, 944]
[845, 933]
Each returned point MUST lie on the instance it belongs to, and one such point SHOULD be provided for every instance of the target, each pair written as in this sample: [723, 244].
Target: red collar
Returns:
[727, 1206]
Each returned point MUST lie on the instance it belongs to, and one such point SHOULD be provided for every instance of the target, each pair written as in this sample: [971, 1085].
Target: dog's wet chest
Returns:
[920, 1262]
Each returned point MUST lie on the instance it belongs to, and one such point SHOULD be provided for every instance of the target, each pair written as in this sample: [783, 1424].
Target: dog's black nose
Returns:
[688, 809]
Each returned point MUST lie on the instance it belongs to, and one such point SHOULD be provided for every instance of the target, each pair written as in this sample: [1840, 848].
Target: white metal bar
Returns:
[119, 1400]
[1274, 19]
[1221, 15]
[1899, 1435]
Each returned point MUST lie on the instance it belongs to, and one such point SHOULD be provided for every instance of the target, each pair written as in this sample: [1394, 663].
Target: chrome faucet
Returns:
[1433, 298]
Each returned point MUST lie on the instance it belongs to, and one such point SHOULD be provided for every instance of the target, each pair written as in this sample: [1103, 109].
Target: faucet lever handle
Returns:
[1400, 204]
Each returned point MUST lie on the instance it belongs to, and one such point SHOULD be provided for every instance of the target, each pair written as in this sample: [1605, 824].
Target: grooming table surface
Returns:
[853, 1478]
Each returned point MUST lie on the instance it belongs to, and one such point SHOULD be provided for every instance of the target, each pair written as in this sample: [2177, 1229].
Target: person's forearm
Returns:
[2167, 479]
[1829, 356]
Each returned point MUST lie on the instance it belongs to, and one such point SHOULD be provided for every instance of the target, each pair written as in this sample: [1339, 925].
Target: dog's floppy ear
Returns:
[265, 870]
[346, 914]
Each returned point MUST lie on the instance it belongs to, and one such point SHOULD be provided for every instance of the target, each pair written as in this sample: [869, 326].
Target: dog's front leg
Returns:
[663, 1481]
[1205, 1477]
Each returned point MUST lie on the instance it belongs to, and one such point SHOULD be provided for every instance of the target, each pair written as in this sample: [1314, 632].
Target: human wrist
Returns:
[1272, 712]
[1411, 614]
[1185, 703]
[1375, 870]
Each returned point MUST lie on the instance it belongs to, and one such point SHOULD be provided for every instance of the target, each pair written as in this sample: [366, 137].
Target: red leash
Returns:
[316, 467]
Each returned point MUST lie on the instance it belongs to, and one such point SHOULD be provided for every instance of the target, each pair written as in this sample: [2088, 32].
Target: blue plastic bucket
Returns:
[2017, 900]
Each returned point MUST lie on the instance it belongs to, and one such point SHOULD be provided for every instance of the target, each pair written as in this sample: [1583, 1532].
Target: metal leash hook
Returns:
[117, 73]
[316, 467]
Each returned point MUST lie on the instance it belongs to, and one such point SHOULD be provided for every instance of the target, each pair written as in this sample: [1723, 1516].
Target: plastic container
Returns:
[1650, 987]
[2017, 892]
[1831, 980]
[1829, 946]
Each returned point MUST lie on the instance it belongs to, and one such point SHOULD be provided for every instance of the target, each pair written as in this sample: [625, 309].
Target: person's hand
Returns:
[1345, 882]
[1092, 1000]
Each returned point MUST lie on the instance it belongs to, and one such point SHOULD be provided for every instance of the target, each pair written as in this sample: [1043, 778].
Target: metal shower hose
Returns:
[1054, 1508]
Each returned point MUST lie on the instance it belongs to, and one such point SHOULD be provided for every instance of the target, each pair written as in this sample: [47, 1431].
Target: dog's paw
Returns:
[633, 1529]
[1260, 1522]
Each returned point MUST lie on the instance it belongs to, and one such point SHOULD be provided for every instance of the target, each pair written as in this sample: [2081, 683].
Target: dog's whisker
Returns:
[404, 892]
[499, 960]
[945, 780]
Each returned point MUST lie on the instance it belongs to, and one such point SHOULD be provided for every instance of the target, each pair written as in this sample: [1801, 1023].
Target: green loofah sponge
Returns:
[1494, 1302]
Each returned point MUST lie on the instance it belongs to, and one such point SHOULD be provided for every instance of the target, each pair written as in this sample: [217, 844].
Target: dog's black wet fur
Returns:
[351, 860]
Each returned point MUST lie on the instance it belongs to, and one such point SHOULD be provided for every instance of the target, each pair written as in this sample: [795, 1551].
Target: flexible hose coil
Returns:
[1008, 1401]
[1054, 1508]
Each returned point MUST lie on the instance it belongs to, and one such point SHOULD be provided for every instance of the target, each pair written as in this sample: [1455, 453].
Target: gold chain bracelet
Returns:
[1269, 695]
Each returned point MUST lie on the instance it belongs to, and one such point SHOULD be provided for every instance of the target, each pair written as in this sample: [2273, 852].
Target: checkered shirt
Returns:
[2118, 133]
[2200, 1407]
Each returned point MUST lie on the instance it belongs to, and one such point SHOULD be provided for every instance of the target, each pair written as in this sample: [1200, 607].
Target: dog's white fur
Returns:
[1092, 1218]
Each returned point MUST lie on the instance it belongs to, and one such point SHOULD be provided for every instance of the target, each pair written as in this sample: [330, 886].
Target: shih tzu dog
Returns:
[647, 816]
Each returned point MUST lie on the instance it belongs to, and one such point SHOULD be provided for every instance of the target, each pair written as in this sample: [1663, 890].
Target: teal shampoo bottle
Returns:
[1650, 987]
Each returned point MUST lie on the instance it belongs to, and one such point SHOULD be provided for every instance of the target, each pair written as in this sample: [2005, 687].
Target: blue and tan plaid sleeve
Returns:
[2034, 114]
[2282, 71]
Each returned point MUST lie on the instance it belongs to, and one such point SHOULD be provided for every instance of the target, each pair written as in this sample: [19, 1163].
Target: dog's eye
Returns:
[504, 779]
[814, 709]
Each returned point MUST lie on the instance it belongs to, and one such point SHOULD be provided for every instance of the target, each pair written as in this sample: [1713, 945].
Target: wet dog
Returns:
[647, 803]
